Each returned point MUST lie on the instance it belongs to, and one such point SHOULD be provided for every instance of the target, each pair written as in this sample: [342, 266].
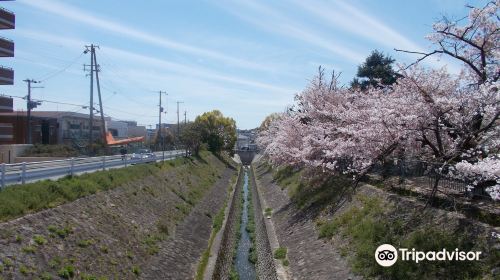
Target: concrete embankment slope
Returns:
[326, 239]
[153, 228]
[309, 256]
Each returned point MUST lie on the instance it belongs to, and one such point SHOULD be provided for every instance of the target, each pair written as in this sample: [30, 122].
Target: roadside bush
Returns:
[41, 150]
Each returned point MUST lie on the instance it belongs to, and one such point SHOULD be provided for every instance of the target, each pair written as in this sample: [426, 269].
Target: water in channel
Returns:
[245, 269]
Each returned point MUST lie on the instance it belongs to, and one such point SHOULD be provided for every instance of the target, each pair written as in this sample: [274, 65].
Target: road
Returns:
[21, 173]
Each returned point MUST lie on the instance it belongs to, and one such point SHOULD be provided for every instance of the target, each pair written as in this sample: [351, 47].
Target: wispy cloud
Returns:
[340, 14]
[269, 19]
[79, 15]
[167, 66]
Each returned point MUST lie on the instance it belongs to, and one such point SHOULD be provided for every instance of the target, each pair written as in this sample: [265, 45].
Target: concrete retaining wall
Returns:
[8, 153]
[224, 260]
[265, 261]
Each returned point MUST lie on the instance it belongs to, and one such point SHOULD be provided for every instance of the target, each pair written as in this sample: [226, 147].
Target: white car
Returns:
[143, 155]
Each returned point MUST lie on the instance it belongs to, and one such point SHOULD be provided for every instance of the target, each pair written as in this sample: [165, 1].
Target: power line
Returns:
[47, 101]
[57, 72]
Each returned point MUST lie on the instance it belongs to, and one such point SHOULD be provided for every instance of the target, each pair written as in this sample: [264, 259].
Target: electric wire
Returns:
[57, 72]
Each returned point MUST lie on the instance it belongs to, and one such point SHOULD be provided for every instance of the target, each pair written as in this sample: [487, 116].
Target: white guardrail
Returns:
[21, 173]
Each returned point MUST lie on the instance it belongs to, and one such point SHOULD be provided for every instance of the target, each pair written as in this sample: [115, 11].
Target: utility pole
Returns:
[160, 134]
[103, 126]
[91, 49]
[29, 106]
[178, 127]
[94, 68]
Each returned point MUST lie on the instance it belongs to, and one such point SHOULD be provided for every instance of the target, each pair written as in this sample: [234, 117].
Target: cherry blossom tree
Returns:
[428, 114]
[474, 43]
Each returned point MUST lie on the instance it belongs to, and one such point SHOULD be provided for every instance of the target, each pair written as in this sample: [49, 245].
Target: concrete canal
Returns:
[245, 268]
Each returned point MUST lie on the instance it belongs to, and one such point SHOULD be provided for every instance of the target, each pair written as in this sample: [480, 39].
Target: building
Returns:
[242, 142]
[135, 130]
[56, 127]
[7, 21]
[118, 129]
[246, 139]
[73, 128]
[13, 126]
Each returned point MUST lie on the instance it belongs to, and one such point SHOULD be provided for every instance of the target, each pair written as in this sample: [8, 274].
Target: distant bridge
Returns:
[246, 155]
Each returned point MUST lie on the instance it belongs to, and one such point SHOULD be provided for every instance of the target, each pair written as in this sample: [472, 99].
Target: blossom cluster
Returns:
[427, 114]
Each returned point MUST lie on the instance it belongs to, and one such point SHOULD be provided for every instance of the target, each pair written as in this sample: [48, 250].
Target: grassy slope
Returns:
[18, 200]
[369, 221]
[88, 251]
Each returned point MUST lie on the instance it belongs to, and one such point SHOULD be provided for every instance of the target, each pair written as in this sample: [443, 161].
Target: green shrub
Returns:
[136, 270]
[85, 243]
[46, 276]
[40, 240]
[42, 150]
[66, 272]
[219, 219]
[19, 238]
[233, 275]
[280, 253]
[29, 249]
[61, 231]
[24, 269]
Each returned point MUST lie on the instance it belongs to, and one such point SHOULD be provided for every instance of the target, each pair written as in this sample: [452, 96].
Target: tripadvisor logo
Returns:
[386, 255]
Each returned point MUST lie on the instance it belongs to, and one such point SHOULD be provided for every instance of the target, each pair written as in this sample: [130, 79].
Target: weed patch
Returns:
[280, 253]
[372, 224]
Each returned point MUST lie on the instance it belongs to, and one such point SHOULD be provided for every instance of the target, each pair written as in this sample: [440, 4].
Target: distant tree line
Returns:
[211, 130]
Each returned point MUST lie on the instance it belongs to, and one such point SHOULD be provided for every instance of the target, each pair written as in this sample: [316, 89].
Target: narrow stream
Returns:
[245, 269]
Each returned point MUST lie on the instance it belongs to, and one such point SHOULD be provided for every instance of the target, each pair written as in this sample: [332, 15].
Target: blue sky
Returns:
[245, 58]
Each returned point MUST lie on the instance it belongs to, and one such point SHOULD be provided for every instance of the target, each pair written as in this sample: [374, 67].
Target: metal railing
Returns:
[21, 173]
[425, 174]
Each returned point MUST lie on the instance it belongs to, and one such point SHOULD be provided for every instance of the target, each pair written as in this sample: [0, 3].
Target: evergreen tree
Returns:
[376, 71]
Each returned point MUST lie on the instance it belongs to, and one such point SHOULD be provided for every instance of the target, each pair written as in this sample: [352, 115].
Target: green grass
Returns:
[40, 240]
[367, 226]
[233, 274]
[62, 232]
[24, 269]
[136, 270]
[66, 272]
[289, 178]
[280, 253]
[46, 276]
[16, 201]
[250, 228]
[85, 243]
[219, 218]
[29, 249]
